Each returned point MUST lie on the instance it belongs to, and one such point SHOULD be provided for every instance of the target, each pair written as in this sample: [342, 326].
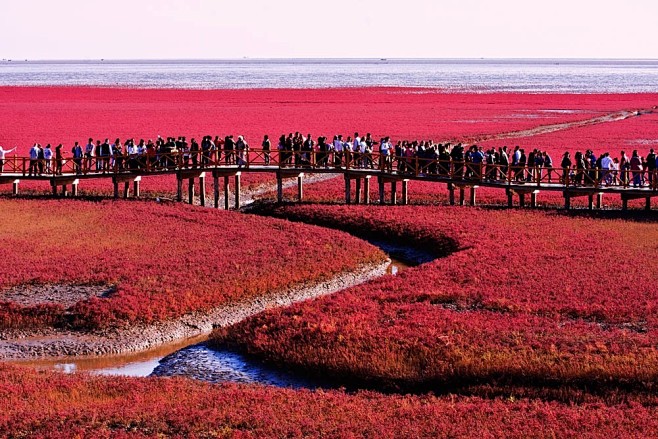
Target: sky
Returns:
[219, 29]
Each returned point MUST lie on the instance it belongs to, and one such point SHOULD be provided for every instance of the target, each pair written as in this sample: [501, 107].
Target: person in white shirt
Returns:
[366, 153]
[385, 150]
[606, 166]
[3, 154]
[356, 147]
[338, 150]
[90, 152]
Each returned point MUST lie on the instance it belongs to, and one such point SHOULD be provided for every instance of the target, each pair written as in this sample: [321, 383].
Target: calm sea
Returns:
[533, 76]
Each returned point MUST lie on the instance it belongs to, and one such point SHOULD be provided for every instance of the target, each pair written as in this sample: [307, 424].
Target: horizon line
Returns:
[311, 59]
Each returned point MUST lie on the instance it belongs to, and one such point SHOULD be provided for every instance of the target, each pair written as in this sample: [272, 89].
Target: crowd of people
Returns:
[297, 150]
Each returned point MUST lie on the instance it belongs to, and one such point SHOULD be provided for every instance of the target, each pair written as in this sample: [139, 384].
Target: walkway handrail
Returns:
[346, 161]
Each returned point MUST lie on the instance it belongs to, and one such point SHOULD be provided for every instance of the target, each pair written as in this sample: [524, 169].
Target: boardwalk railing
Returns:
[417, 167]
[521, 180]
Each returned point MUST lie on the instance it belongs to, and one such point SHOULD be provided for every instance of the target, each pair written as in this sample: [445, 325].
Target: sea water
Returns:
[528, 76]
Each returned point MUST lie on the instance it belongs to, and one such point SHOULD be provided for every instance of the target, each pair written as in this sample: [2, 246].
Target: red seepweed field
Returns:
[529, 324]
[66, 114]
[519, 299]
[158, 261]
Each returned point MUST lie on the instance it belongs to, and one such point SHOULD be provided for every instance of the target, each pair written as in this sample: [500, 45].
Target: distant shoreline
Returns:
[583, 76]
[438, 61]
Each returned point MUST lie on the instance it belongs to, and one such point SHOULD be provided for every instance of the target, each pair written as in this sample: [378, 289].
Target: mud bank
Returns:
[25, 345]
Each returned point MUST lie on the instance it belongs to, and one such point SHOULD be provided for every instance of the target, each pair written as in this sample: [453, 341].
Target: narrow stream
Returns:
[193, 358]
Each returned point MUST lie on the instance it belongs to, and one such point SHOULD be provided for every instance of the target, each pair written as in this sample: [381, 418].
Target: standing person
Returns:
[548, 164]
[307, 149]
[531, 165]
[42, 158]
[516, 159]
[323, 153]
[580, 168]
[3, 154]
[457, 158]
[281, 147]
[184, 151]
[297, 143]
[503, 161]
[99, 155]
[229, 146]
[650, 166]
[106, 152]
[522, 163]
[614, 171]
[356, 149]
[606, 166]
[205, 151]
[194, 151]
[219, 146]
[566, 167]
[338, 150]
[213, 151]
[34, 159]
[59, 159]
[267, 146]
[48, 158]
[89, 155]
[117, 154]
[241, 147]
[624, 168]
[636, 169]
[78, 155]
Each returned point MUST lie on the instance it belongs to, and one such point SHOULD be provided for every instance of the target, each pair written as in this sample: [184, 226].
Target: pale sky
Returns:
[212, 29]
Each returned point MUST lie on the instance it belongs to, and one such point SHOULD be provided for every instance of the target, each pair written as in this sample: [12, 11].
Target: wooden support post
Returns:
[179, 191]
[381, 190]
[115, 182]
[624, 203]
[461, 196]
[473, 189]
[357, 196]
[451, 193]
[74, 189]
[599, 200]
[126, 189]
[405, 192]
[65, 191]
[279, 188]
[348, 190]
[590, 201]
[216, 191]
[394, 193]
[521, 199]
[533, 199]
[14, 187]
[226, 190]
[647, 205]
[190, 190]
[237, 191]
[366, 190]
[136, 193]
[202, 189]
[54, 185]
[567, 201]
[510, 198]
[300, 187]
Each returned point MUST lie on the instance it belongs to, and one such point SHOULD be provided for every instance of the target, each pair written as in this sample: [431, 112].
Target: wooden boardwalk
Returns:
[461, 178]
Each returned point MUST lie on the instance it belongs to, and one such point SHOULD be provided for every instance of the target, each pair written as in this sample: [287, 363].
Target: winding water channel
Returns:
[194, 358]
